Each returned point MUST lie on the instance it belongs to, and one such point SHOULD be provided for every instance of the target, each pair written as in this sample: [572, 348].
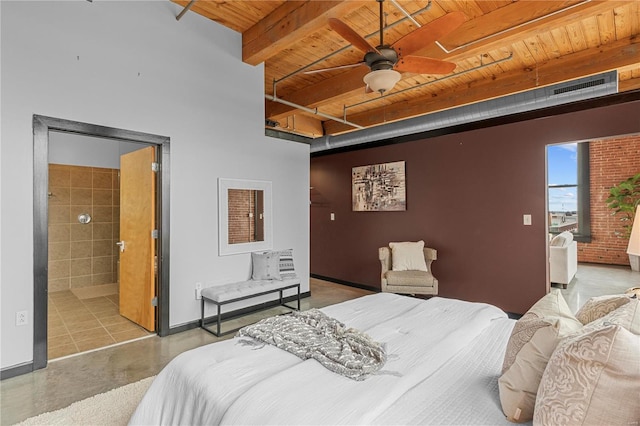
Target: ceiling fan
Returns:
[386, 60]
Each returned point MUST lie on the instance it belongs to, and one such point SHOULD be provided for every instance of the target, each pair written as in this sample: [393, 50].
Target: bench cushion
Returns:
[226, 292]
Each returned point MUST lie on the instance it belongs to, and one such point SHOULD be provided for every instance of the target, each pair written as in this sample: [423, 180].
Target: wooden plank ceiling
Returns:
[502, 47]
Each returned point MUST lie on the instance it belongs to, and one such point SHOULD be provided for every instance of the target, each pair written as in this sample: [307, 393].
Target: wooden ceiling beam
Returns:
[622, 53]
[511, 24]
[302, 124]
[350, 82]
[288, 24]
[628, 85]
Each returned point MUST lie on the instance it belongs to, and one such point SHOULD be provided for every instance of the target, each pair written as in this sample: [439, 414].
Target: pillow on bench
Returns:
[287, 270]
[273, 265]
[265, 266]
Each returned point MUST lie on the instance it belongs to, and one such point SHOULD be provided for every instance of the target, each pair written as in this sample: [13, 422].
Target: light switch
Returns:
[333, 216]
[526, 219]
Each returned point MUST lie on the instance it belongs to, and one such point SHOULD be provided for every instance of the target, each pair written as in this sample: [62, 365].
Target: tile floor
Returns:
[78, 324]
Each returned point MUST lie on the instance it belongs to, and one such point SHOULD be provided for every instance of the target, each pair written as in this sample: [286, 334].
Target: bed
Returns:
[444, 358]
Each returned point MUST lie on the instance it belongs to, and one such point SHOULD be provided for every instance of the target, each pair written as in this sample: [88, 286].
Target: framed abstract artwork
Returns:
[379, 187]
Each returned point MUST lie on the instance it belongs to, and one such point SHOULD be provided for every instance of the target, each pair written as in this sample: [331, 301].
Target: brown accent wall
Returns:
[611, 161]
[82, 255]
[466, 195]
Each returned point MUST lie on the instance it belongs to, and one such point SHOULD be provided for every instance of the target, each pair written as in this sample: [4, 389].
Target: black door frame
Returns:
[41, 127]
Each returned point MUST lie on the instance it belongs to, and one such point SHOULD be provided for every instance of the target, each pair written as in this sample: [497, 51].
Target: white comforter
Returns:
[444, 359]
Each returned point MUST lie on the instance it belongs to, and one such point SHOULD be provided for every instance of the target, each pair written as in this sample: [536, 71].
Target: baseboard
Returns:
[237, 313]
[511, 315]
[347, 283]
[18, 370]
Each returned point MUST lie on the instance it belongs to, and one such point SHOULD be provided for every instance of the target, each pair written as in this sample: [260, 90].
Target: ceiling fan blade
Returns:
[351, 36]
[357, 64]
[429, 33]
[424, 65]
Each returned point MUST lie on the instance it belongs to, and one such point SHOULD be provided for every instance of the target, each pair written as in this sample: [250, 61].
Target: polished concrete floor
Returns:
[74, 378]
[598, 280]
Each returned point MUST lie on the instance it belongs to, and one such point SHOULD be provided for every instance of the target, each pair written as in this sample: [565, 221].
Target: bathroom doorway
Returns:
[77, 302]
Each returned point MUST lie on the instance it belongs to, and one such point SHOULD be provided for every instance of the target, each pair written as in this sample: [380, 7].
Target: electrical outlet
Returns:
[526, 219]
[198, 291]
[21, 318]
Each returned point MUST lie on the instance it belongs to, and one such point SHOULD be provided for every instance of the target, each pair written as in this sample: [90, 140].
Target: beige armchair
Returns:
[408, 282]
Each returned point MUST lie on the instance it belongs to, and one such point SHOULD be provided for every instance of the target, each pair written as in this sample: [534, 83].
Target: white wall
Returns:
[82, 150]
[131, 65]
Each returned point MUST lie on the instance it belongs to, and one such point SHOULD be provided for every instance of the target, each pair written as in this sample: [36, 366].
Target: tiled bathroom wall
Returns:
[82, 255]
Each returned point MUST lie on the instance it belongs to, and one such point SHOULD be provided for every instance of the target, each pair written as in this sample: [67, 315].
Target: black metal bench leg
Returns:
[218, 324]
[202, 313]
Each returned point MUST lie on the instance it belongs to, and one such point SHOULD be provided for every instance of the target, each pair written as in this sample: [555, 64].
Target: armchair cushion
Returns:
[408, 256]
[410, 278]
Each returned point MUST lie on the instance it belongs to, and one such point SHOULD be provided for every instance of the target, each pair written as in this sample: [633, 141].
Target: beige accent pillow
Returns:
[533, 340]
[597, 307]
[408, 256]
[626, 316]
[540, 315]
[592, 379]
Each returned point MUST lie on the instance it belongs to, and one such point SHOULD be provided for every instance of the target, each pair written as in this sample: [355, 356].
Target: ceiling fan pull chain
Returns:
[381, 22]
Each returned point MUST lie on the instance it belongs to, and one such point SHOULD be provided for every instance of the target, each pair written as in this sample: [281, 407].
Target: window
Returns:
[568, 189]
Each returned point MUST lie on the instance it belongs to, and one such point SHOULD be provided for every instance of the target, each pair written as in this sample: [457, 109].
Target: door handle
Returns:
[121, 245]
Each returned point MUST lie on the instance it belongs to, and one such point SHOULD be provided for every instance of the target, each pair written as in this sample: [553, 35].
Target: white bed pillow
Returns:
[265, 266]
[408, 256]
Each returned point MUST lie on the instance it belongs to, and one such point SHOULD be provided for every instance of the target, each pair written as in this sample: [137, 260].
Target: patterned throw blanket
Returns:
[312, 334]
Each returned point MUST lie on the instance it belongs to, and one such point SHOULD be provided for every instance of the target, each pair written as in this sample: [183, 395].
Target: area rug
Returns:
[110, 408]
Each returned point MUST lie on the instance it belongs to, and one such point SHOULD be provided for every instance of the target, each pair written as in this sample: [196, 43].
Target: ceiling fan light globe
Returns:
[382, 80]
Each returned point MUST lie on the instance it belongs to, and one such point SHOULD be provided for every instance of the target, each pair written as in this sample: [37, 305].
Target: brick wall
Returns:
[611, 161]
[241, 226]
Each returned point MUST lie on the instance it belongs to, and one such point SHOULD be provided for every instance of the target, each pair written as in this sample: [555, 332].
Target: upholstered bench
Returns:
[277, 266]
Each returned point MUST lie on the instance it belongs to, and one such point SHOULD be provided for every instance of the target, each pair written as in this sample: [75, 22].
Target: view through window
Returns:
[568, 180]
[562, 167]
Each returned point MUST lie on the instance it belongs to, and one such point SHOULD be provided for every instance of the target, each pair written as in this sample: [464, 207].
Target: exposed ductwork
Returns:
[570, 91]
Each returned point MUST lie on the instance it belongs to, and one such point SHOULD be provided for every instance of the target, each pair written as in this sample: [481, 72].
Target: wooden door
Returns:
[137, 246]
